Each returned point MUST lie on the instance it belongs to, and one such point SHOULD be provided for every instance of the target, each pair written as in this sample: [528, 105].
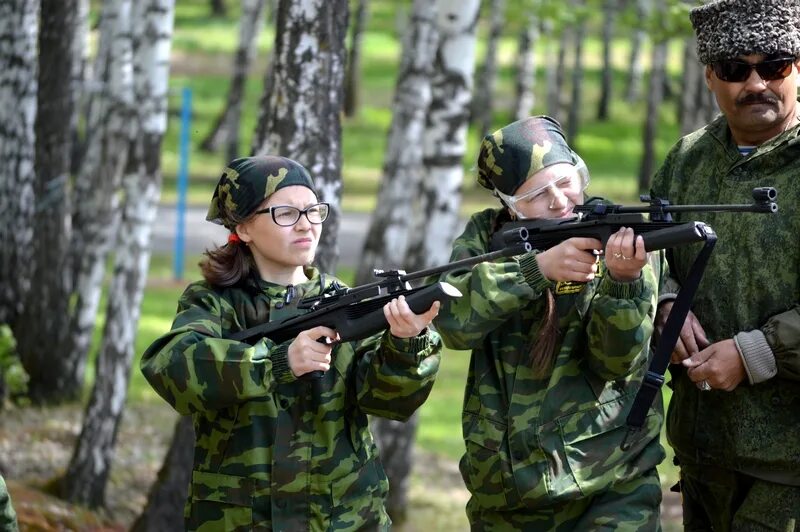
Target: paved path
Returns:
[201, 235]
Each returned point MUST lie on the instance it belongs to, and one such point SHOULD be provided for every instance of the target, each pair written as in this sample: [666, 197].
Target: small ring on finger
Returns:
[618, 255]
[704, 385]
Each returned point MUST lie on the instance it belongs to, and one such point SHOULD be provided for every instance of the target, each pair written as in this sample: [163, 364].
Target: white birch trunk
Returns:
[387, 239]
[655, 95]
[18, 87]
[301, 108]
[444, 141]
[635, 64]
[91, 462]
[110, 128]
[576, 99]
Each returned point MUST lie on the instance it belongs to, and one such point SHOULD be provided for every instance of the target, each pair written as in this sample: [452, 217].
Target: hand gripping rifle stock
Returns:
[357, 313]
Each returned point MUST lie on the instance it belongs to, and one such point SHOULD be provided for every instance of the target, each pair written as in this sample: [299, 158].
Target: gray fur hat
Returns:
[729, 28]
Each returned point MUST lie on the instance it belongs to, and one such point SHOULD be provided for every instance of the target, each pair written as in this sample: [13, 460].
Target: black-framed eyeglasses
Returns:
[286, 215]
[734, 70]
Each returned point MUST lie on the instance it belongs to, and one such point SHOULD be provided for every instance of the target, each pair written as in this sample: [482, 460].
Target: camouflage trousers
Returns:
[723, 500]
[631, 505]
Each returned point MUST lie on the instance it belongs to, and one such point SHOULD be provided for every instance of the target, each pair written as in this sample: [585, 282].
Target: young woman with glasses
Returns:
[560, 344]
[273, 451]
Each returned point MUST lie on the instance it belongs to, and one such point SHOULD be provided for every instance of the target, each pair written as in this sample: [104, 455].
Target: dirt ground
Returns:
[36, 446]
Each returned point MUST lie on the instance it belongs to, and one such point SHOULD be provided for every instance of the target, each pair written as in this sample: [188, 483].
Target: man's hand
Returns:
[719, 364]
[692, 338]
[403, 323]
[311, 350]
[571, 260]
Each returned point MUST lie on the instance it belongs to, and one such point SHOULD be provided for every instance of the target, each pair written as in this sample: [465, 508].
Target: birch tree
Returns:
[444, 140]
[301, 105]
[18, 87]
[387, 238]
[576, 101]
[90, 466]
[486, 78]
[633, 86]
[226, 127]
[110, 128]
[43, 329]
[655, 95]
[697, 105]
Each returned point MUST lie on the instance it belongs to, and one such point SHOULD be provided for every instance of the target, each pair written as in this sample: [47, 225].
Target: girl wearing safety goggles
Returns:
[559, 342]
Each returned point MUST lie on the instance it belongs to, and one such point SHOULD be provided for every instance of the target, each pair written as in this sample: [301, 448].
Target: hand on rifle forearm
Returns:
[571, 260]
[692, 337]
[720, 365]
[311, 350]
[625, 255]
[403, 323]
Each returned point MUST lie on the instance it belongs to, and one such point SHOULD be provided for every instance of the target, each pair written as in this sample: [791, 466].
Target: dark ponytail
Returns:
[543, 347]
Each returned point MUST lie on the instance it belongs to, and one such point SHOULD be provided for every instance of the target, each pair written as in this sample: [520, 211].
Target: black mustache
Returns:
[757, 98]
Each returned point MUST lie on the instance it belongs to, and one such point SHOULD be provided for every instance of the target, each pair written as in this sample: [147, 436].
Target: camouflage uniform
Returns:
[8, 518]
[273, 452]
[543, 452]
[744, 443]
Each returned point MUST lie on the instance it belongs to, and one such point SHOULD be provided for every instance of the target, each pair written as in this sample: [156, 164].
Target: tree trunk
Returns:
[218, 8]
[18, 86]
[525, 70]
[91, 462]
[606, 87]
[42, 329]
[164, 509]
[352, 81]
[555, 73]
[697, 105]
[387, 239]
[81, 73]
[444, 141]
[395, 440]
[654, 99]
[226, 126]
[111, 124]
[554, 101]
[635, 66]
[576, 102]
[302, 103]
[483, 96]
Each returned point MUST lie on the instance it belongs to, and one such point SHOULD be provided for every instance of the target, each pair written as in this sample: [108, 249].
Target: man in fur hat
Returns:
[734, 418]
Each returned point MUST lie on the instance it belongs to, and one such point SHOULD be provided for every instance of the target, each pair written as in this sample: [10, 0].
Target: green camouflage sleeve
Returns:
[194, 369]
[491, 291]
[396, 375]
[620, 323]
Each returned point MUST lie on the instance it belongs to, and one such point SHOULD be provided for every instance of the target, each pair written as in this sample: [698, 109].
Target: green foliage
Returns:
[15, 378]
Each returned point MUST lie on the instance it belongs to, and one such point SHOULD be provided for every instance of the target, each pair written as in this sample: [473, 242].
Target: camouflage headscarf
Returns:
[729, 28]
[510, 155]
[246, 182]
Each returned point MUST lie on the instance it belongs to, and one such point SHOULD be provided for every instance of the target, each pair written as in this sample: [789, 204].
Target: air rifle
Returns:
[357, 313]
[660, 232]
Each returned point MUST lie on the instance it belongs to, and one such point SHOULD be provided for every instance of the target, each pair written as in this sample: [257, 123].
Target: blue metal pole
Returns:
[183, 181]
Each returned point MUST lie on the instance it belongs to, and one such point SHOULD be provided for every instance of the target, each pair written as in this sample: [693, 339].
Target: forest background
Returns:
[620, 75]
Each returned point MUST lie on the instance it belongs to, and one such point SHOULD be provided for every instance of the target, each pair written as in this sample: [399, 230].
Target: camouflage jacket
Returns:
[532, 441]
[8, 518]
[270, 453]
[750, 291]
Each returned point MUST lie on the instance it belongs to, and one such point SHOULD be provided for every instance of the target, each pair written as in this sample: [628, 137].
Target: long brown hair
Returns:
[232, 262]
[543, 348]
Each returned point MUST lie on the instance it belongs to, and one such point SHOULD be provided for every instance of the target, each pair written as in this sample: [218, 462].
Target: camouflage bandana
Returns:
[510, 155]
[727, 29]
[246, 182]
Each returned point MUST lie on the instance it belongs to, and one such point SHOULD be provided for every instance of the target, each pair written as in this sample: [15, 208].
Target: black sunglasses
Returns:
[769, 70]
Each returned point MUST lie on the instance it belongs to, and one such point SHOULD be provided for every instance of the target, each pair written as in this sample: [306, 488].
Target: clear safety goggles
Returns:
[572, 183]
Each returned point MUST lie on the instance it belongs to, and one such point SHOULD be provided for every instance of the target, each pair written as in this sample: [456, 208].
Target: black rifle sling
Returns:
[654, 378]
